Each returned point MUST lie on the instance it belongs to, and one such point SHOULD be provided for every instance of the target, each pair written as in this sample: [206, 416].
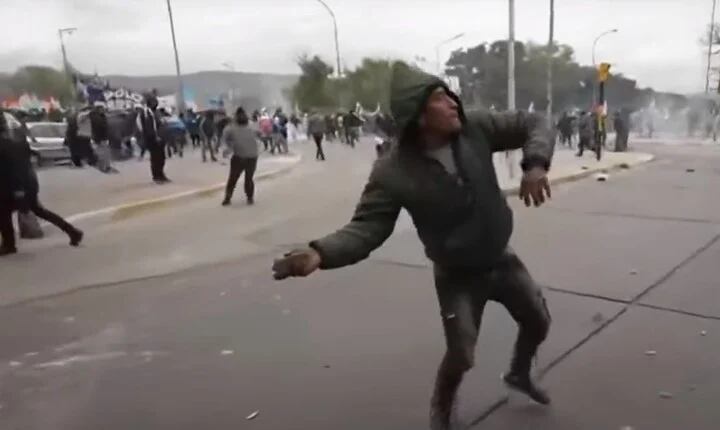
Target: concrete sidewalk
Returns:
[86, 193]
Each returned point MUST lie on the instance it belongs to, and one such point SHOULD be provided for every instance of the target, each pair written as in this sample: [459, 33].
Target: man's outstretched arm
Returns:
[372, 223]
[517, 130]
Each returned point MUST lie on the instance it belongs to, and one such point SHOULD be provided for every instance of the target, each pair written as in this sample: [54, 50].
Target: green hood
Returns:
[409, 91]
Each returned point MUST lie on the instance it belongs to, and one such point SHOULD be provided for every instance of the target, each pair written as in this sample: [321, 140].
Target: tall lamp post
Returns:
[439, 45]
[337, 43]
[181, 90]
[66, 65]
[595, 42]
[710, 44]
[550, 64]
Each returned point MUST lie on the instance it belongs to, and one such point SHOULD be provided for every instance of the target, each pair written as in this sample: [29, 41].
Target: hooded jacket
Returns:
[462, 221]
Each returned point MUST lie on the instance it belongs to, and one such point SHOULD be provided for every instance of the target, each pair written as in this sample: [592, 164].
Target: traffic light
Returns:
[603, 72]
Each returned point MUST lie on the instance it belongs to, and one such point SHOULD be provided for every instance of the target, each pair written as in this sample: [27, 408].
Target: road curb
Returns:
[572, 177]
[127, 210]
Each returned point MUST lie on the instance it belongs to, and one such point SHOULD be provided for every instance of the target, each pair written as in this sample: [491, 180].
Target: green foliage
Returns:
[482, 72]
[368, 84]
[42, 81]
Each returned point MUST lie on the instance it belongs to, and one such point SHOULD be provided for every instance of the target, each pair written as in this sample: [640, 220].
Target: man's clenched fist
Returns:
[296, 263]
[535, 187]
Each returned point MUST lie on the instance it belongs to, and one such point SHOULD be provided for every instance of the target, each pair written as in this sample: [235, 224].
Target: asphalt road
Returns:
[630, 265]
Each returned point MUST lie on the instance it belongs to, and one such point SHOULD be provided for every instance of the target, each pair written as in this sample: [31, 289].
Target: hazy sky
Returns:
[658, 41]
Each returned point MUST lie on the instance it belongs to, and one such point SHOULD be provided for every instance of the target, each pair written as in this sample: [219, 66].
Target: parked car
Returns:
[47, 141]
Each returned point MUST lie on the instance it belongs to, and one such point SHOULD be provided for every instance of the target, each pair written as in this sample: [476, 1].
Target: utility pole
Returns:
[509, 157]
[337, 42]
[511, 57]
[180, 100]
[437, 50]
[66, 64]
[550, 64]
[710, 45]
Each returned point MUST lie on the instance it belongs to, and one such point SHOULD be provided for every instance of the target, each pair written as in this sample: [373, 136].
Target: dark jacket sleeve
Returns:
[372, 223]
[516, 130]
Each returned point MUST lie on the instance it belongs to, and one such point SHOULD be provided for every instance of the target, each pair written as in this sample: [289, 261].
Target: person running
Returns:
[80, 146]
[316, 128]
[19, 189]
[240, 140]
[100, 134]
[265, 124]
[193, 128]
[441, 172]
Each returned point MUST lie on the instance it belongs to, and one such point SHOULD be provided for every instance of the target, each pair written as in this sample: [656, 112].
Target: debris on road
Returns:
[31, 354]
[327, 366]
[633, 272]
[692, 388]
[665, 395]
[624, 166]
[651, 353]
[602, 177]
[703, 333]
[252, 416]
[584, 167]
[691, 170]
[227, 352]
[598, 318]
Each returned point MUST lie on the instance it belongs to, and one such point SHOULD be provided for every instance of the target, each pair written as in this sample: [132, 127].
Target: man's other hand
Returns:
[296, 263]
[535, 187]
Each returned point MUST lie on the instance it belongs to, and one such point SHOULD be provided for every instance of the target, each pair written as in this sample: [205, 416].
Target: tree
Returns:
[42, 81]
[312, 90]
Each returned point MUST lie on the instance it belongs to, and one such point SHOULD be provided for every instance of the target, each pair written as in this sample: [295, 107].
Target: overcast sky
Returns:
[657, 43]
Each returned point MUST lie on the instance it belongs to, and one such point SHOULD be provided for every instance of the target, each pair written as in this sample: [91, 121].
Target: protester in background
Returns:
[19, 189]
[192, 125]
[221, 121]
[241, 141]
[293, 128]
[622, 131]
[316, 129]
[565, 128]
[100, 133]
[280, 132]
[149, 125]
[330, 127]
[352, 124]
[139, 141]
[586, 130]
[207, 133]
[80, 146]
[265, 124]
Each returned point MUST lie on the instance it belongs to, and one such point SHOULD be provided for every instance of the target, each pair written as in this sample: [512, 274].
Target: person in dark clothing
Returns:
[241, 140]
[352, 124]
[193, 128]
[316, 129]
[622, 132]
[565, 128]
[100, 135]
[19, 190]
[441, 172]
[208, 132]
[80, 147]
[149, 126]
[222, 121]
[330, 128]
[586, 130]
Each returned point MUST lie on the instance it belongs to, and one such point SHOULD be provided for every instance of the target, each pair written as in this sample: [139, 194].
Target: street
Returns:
[170, 319]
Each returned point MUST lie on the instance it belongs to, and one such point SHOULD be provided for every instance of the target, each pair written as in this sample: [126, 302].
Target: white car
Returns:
[47, 141]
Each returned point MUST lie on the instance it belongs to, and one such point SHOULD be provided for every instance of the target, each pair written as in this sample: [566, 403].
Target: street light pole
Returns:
[439, 45]
[337, 43]
[710, 44]
[66, 65]
[550, 64]
[511, 56]
[181, 91]
[614, 30]
[595, 42]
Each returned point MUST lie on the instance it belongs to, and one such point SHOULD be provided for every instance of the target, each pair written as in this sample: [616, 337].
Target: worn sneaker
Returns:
[525, 385]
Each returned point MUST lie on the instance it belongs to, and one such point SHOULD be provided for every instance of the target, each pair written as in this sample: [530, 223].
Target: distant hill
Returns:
[252, 90]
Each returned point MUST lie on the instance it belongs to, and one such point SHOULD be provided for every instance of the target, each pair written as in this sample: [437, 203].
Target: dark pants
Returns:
[319, 155]
[463, 294]
[81, 149]
[238, 165]
[157, 162]
[207, 145]
[195, 139]
[7, 232]
[584, 143]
